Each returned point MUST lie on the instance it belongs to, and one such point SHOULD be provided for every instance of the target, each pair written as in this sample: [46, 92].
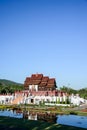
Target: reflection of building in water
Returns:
[49, 117]
[29, 115]
[32, 117]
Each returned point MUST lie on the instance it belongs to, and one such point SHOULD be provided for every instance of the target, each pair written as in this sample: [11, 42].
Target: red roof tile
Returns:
[51, 81]
[40, 80]
[36, 76]
[45, 79]
[42, 84]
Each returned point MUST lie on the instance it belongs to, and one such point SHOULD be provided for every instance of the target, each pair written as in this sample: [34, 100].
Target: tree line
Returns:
[82, 92]
[5, 89]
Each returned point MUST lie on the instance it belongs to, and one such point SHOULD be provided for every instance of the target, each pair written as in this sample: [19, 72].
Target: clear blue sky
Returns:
[44, 36]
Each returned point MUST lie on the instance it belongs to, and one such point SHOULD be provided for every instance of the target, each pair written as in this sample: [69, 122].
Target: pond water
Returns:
[72, 120]
[11, 113]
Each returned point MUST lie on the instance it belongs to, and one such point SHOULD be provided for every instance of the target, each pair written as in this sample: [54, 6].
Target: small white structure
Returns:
[76, 100]
[5, 99]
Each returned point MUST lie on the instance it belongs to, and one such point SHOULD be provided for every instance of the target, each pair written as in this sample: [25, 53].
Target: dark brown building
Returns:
[38, 82]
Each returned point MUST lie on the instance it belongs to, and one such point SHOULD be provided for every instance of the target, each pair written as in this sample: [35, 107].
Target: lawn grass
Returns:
[8, 123]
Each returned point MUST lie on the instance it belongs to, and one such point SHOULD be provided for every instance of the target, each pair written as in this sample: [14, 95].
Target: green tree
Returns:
[68, 90]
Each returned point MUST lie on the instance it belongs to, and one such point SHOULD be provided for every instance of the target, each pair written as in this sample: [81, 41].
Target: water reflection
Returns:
[11, 113]
[42, 116]
[30, 115]
[72, 120]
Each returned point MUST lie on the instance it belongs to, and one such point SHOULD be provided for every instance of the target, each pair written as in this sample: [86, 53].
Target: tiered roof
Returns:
[44, 81]
[40, 80]
[51, 82]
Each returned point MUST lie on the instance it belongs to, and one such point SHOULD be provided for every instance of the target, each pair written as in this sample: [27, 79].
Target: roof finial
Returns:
[36, 74]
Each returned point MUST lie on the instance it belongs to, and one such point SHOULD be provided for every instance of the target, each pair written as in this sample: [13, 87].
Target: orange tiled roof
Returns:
[43, 84]
[51, 81]
[40, 80]
[45, 79]
[36, 76]
[34, 82]
[27, 79]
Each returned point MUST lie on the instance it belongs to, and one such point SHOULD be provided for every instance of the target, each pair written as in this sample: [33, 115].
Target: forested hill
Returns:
[7, 86]
[5, 82]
